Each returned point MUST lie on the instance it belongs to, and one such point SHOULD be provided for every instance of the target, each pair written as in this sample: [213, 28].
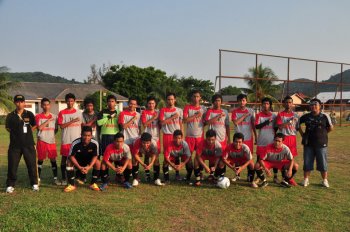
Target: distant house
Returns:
[300, 101]
[35, 91]
[332, 100]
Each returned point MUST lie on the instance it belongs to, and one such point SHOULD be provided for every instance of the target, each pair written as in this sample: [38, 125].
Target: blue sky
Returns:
[180, 37]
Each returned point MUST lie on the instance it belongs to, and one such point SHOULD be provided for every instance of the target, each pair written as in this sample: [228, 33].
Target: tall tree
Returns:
[190, 83]
[262, 85]
[6, 103]
[230, 90]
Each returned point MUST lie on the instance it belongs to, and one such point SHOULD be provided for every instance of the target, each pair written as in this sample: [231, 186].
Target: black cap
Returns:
[19, 97]
[314, 101]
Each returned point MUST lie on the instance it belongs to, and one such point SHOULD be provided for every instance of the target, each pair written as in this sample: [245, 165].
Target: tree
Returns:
[230, 90]
[205, 86]
[6, 103]
[262, 85]
[95, 75]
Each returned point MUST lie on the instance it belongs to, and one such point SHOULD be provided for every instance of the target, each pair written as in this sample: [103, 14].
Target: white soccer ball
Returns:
[223, 182]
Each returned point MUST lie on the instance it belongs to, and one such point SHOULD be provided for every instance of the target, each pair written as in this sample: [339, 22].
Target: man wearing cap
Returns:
[315, 141]
[20, 123]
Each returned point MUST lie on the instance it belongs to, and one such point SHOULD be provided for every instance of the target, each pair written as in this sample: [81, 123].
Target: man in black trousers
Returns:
[20, 123]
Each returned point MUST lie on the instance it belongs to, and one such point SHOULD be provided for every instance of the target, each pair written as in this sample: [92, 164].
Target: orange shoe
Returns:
[292, 182]
[94, 187]
[70, 188]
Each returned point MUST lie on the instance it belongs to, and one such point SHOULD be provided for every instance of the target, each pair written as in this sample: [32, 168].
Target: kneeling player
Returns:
[237, 156]
[147, 147]
[277, 155]
[82, 157]
[119, 153]
[177, 149]
[210, 149]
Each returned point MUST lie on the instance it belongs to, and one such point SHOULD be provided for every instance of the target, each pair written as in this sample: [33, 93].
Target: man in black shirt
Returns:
[315, 141]
[20, 123]
[82, 156]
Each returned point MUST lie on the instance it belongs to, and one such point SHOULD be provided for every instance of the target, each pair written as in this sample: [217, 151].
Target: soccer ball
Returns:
[223, 183]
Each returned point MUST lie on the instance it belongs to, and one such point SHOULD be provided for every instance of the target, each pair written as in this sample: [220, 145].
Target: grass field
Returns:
[178, 207]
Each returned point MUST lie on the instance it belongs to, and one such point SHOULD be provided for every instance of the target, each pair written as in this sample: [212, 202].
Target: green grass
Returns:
[178, 207]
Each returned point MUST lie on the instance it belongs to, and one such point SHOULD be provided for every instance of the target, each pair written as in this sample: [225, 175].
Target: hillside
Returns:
[37, 77]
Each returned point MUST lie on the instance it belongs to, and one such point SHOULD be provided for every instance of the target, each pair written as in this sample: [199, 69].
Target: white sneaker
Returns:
[325, 183]
[234, 179]
[64, 182]
[135, 183]
[10, 189]
[56, 181]
[254, 185]
[158, 182]
[35, 187]
[305, 182]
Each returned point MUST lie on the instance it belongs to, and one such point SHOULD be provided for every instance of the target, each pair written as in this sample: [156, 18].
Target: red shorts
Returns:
[212, 159]
[237, 161]
[173, 158]
[65, 149]
[250, 144]
[167, 140]
[46, 150]
[193, 142]
[291, 142]
[276, 164]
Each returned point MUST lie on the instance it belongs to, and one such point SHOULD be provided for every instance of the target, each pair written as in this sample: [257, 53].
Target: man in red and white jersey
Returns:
[279, 156]
[150, 120]
[210, 149]
[243, 119]
[286, 121]
[46, 143]
[218, 120]
[69, 121]
[193, 117]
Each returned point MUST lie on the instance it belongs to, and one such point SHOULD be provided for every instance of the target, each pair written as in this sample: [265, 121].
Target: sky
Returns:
[181, 37]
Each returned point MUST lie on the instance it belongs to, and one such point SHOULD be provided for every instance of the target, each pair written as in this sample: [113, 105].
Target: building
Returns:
[332, 100]
[35, 91]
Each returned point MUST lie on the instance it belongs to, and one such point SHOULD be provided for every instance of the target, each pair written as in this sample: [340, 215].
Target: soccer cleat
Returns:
[69, 188]
[10, 189]
[79, 181]
[127, 185]
[285, 184]
[292, 182]
[325, 183]
[158, 182]
[56, 181]
[64, 182]
[35, 188]
[197, 183]
[234, 179]
[135, 182]
[305, 182]
[263, 184]
[103, 187]
[254, 185]
[94, 187]
[178, 177]
[276, 180]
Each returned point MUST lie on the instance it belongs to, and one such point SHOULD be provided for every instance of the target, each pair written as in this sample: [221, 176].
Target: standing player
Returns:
[286, 122]
[170, 118]
[82, 157]
[265, 123]
[177, 149]
[129, 121]
[244, 120]
[150, 122]
[90, 117]
[193, 117]
[46, 143]
[237, 156]
[107, 119]
[117, 152]
[146, 147]
[210, 149]
[276, 155]
[218, 120]
[69, 121]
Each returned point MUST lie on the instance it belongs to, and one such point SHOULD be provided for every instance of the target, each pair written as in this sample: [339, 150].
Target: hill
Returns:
[38, 77]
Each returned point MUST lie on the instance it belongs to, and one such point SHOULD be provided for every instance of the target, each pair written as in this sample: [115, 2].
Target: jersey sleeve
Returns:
[60, 118]
[279, 119]
[143, 117]
[107, 153]
[181, 114]
[187, 151]
[95, 150]
[185, 112]
[121, 118]
[248, 153]
[37, 119]
[136, 147]
[233, 115]
[161, 114]
[227, 119]
[257, 119]
[8, 122]
[207, 115]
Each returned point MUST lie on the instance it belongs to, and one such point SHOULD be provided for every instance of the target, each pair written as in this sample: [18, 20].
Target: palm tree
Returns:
[262, 85]
[6, 103]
